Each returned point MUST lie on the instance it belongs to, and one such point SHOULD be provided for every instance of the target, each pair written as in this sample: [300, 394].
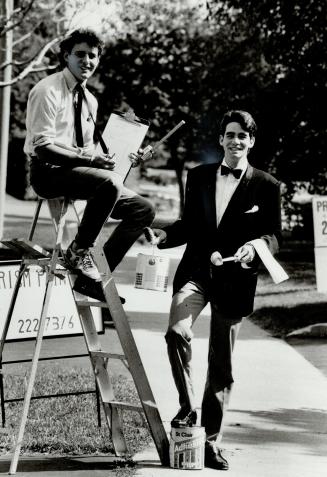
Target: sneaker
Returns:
[80, 260]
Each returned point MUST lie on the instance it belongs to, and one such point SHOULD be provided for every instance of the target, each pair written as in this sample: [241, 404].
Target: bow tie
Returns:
[227, 170]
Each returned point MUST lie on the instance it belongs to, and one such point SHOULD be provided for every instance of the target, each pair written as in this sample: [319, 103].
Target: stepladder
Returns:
[54, 265]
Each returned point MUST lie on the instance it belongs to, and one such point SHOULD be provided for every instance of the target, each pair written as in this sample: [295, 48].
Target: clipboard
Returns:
[122, 135]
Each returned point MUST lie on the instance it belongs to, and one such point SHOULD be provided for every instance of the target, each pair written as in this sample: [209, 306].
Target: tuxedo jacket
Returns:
[253, 212]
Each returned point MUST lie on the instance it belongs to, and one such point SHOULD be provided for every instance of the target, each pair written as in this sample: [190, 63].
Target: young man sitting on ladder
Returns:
[60, 130]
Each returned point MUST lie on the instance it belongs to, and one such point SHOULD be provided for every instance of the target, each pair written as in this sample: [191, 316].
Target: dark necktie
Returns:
[78, 100]
[227, 170]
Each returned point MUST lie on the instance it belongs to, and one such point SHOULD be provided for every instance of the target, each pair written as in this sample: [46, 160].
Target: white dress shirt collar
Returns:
[226, 186]
[70, 79]
[243, 164]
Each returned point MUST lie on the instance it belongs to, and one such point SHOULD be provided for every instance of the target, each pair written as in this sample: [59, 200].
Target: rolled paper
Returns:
[276, 271]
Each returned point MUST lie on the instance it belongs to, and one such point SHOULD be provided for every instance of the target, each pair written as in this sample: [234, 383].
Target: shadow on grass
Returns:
[304, 429]
[285, 291]
[280, 320]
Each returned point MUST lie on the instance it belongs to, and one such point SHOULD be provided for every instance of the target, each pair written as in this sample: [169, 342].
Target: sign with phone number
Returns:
[62, 317]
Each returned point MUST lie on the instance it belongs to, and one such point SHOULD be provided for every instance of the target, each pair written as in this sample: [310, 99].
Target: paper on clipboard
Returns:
[123, 136]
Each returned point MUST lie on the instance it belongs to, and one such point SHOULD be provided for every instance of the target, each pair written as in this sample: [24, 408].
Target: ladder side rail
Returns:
[10, 312]
[21, 271]
[2, 399]
[57, 207]
[103, 381]
[38, 344]
[78, 220]
[134, 360]
[31, 380]
[35, 219]
[54, 206]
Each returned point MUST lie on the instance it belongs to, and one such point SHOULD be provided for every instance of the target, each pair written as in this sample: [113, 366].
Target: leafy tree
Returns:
[38, 27]
[174, 63]
[292, 39]
[171, 61]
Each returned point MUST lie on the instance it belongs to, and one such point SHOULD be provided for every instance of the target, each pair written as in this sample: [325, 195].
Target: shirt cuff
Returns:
[40, 141]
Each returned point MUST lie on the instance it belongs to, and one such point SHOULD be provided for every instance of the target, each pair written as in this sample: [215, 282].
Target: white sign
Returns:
[319, 205]
[62, 319]
[321, 268]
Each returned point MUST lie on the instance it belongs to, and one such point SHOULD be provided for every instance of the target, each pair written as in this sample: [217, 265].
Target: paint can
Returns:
[152, 272]
[186, 448]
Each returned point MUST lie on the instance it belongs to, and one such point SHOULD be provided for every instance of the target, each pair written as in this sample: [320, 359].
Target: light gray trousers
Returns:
[186, 306]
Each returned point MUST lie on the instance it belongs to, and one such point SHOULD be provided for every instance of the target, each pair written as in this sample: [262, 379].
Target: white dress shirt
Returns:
[226, 186]
[50, 113]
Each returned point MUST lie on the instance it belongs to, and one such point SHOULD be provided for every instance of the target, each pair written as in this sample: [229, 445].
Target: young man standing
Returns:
[60, 123]
[227, 205]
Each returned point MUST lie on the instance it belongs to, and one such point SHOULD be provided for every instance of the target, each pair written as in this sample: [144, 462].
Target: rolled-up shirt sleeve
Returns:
[41, 118]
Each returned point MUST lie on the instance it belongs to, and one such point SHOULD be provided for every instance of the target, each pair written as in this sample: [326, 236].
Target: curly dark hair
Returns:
[238, 116]
[79, 36]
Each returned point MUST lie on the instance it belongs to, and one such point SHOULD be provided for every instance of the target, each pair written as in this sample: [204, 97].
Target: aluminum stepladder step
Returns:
[35, 255]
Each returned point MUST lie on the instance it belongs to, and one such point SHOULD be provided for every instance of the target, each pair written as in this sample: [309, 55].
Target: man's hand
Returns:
[155, 236]
[245, 254]
[216, 259]
[103, 161]
[141, 156]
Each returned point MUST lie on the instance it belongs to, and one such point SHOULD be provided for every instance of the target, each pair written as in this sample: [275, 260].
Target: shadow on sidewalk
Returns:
[304, 429]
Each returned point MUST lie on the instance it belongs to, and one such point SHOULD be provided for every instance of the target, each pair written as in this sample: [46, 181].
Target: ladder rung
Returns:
[37, 261]
[11, 246]
[26, 247]
[105, 354]
[125, 405]
[88, 303]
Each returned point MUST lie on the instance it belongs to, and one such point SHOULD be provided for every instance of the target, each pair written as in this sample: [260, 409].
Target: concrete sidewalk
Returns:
[277, 422]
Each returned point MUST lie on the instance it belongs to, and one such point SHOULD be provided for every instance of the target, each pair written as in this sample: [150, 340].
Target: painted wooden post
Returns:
[6, 56]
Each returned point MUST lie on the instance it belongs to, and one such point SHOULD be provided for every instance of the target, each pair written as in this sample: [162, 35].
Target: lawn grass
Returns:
[68, 425]
[295, 303]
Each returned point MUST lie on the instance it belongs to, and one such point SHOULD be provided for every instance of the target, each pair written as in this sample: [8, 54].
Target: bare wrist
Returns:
[86, 157]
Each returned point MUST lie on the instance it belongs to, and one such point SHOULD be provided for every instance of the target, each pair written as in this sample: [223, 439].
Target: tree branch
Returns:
[34, 64]
[20, 12]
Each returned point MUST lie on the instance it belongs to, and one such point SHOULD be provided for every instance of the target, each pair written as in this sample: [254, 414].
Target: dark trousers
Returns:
[106, 197]
[186, 306]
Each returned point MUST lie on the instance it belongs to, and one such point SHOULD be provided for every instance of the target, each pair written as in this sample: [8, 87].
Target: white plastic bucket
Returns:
[186, 448]
[152, 272]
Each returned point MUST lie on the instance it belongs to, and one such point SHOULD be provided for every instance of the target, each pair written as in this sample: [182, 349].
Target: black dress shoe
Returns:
[89, 287]
[184, 418]
[214, 459]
